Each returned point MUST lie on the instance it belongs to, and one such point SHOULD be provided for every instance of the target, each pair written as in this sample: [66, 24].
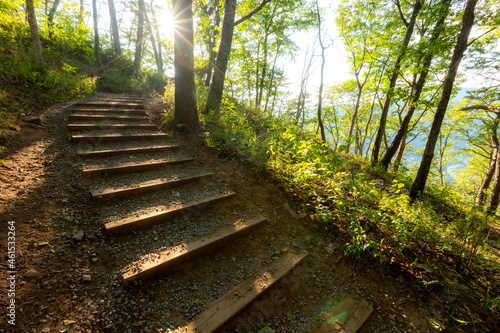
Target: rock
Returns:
[43, 244]
[34, 120]
[78, 236]
[45, 330]
[21, 191]
[31, 273]
[86, 278]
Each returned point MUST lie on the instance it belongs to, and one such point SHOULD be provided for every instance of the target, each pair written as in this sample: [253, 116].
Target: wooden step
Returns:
[96, 139]
[125, 151]
[138, 222]
[112, 193]
[348, 316]
[89, 127]
[110, 105]
[98, 117]
[192, 250]
[125, 112]
[239, 298]
[132, 167]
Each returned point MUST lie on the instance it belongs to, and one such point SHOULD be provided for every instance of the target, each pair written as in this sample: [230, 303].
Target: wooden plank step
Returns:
[82, 127]
[96, 139]
[98, 117]
[110, 105]
[112, 193]
[125, 151]
[132, 167]
[240, 297]
[348, 316]
[137, 222]
[192, 250]
[125, 112]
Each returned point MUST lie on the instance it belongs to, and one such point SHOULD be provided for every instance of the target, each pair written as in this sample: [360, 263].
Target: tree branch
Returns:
[252, 13]
[401, 14]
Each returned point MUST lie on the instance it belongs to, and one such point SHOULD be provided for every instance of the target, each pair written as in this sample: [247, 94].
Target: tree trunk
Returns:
[423, 171]
[217, 86]
[214, 97]
[270, 86]
[80, 13]
[212, 44]
[157, 32]
[401, 152]
[495, 191]
[354, 116]
[320, 93]
[485, 184]
[50, 17]
[153, 41]
[35, 37]
[417, 90]
[394, 77]
[97, 50]
[140, 37]
[186, 113]
[114, 28]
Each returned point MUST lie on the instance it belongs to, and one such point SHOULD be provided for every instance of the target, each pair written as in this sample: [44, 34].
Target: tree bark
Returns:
[217, 86]
[211, 43]
[394, 77]
[320, 93]
[401, 152]
[186, 113]
[140, 36]
[50, 17]
[157, 33]
[495, 191]
[114, 28]
[417, 90]
[97, 49]
[423, 171]
[35, 37]
[152, 39]
[214, 97]
[485, 184]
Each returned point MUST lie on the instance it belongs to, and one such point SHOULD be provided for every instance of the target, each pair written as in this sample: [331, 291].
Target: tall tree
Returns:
[394, 77]
[214, 97]
[153, 42]
[417, 89]
[423, 171]
[35, 37]
[158, 39]
[97, 50]
[114, 28]
[140, 36]
[50, 17]
[186, 113]
[320, 93]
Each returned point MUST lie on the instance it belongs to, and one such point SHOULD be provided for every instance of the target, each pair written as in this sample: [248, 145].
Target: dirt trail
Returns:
[70, 271]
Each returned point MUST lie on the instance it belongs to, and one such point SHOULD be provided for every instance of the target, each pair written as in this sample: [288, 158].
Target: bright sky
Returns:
[336, 67]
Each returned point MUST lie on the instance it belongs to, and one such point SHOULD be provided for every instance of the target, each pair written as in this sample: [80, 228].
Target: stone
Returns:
[31, 273]
[78, 236]
[86, 278]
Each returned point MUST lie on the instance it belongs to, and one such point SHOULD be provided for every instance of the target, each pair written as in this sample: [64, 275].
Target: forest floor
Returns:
[67, 281]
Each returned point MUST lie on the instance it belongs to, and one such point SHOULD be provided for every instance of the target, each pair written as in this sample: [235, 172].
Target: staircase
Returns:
[132, 165]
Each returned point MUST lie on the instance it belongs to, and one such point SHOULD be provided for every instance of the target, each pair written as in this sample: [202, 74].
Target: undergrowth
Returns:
[436, 239]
